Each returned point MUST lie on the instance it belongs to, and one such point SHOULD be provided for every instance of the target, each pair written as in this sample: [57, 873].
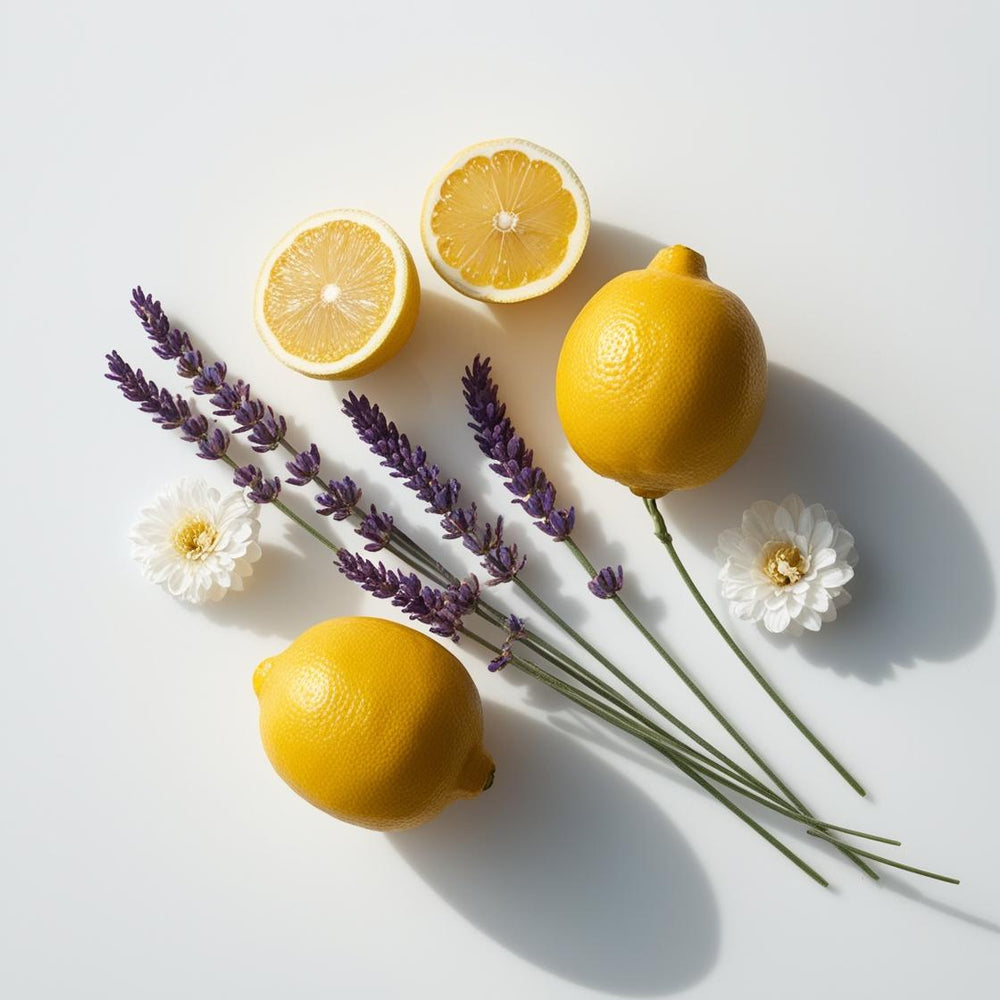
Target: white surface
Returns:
[835, 163]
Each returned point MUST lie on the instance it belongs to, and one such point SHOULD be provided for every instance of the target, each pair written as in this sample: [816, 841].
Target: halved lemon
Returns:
[338, 296]
[505, 220]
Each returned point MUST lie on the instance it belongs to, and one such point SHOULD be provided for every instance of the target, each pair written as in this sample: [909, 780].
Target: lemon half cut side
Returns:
[505, 220]
[338, 295]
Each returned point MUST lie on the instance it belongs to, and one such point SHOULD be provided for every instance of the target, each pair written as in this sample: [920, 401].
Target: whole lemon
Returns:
[372, 722]
[662, 377]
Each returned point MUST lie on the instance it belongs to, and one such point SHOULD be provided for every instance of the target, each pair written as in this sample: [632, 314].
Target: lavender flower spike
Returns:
[169, 411]
[264, 428]
[442, 610]
[512, 460]
[607, 583]
[409, 463]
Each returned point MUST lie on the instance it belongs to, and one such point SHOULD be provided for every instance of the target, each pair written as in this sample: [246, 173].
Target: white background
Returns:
[836, 164]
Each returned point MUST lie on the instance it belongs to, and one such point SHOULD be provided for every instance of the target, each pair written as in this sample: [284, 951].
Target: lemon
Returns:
[505, 220]
[662, 377]
[338, 296]
[372, 722]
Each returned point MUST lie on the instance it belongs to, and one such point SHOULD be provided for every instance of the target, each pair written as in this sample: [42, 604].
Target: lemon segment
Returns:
[506, 220]
[338, 295]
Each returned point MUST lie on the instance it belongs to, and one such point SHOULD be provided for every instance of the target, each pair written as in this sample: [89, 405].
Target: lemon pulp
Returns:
[338, 295]
[506, 220]
[330, 290]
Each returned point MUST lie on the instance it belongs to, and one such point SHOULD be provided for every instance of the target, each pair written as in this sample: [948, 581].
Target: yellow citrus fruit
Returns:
[338, 295]
[505, 220]
[372, 722]
[662, 377]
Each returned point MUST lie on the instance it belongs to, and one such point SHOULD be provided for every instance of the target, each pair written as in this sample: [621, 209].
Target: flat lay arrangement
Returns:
[660, 385]
[500, 501]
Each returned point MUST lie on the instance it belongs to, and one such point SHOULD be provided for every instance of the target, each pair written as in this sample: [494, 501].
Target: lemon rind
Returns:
[576, 242]
[401, 281]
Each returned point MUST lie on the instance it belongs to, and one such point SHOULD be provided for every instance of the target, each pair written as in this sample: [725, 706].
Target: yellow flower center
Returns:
[784, 564]
[194, 538]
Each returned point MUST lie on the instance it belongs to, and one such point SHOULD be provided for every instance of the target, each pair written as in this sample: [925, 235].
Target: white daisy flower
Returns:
[788, 566]
[195, 542]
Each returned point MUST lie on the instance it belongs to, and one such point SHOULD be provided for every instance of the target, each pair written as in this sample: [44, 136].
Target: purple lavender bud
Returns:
[268, 432]
[173, 411]
[460, 523]
[465, 594]
[213, 445]
[247, 414]
[377, 528]
[441, 499]
[607, 583]
[194, 428]
[559, 524]
[304, 467]
[515, 630]
[340, 499]
[503, 564]
[499, 661]
[230, 397]
[513, 459]
[210, 380]
[189, 364]
[491, 537]
[168, 343]
[255, 485]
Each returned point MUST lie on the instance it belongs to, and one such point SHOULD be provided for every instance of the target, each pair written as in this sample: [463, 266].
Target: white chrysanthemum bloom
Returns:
[788, 566]
[195, 542]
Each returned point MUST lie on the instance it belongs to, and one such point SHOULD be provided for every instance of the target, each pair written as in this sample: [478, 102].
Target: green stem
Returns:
[704, 699]
[592, 706]
[660, 530]
[629, 683]
[596, 685]
[886, 861]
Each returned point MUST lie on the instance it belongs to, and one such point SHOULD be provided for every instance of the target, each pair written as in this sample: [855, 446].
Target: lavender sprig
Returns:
[441, 609]
[512, 459]
[264, 428]
[501, 561]
[171, 412]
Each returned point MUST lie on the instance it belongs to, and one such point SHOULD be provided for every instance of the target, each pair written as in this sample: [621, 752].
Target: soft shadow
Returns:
[570, 866]
[907, 521]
